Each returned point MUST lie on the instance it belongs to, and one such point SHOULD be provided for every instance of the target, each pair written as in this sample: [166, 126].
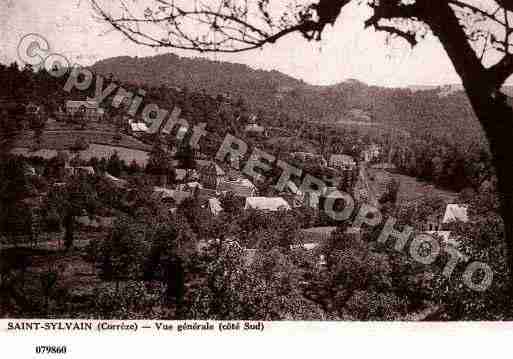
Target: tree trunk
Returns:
[496, 117]
[490, 106]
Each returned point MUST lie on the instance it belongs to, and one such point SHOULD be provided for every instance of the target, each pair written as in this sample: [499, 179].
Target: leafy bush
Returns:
[131, 300]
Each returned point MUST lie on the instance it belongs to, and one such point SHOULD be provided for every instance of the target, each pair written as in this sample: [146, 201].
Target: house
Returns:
[182, 175]
[443, 235]
[210, 173]
[12, 109]
[204, 194]
[214, 205]
[371, 153]
[116, 181]
[293, 188]
[170, 196]
[312, 200]
[293, 195]
[79, 170]
[89, 109]
[384, 166]
[311, 238]
[97, 222]
[33, 109]
[342, 161]
[240, 187]
[455, 213]
[271, 204]
[315, 198]
[310, 157]
[182, 132]
[138, 128]
[254, 129]
[249, 256]
[189, 187]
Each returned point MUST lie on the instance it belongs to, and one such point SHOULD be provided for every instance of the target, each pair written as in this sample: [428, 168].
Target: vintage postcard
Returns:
[219, 171]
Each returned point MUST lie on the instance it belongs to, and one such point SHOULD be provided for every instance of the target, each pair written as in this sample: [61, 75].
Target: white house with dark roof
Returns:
[88, 108]
[455, 213]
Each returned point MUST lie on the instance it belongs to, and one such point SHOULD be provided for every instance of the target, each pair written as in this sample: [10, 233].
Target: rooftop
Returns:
[266, 203]
[455, 213]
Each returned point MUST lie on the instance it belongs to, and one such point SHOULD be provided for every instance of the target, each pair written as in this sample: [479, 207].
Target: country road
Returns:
[365, 180]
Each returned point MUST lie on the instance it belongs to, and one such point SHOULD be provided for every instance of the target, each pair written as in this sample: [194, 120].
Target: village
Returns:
[199, 176]
[78, 175]
[327, 177]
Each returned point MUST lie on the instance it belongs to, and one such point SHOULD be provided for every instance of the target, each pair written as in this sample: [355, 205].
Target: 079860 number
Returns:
[50, 349]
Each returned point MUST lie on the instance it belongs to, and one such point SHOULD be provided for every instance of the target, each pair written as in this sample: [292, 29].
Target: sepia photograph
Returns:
[230, 165]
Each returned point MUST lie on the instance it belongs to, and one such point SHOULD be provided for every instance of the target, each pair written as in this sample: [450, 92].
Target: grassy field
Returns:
[63, 139]
[101, 145]
[410, 188]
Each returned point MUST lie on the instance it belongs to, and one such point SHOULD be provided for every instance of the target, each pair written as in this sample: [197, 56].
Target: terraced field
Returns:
[102, 144]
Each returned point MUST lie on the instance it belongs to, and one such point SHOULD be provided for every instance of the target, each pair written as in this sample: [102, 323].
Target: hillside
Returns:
[413, 109]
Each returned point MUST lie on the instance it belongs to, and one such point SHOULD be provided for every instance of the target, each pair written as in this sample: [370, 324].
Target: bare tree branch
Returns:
[239, 25]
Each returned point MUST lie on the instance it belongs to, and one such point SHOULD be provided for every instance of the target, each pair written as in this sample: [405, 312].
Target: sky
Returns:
[346, 51]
